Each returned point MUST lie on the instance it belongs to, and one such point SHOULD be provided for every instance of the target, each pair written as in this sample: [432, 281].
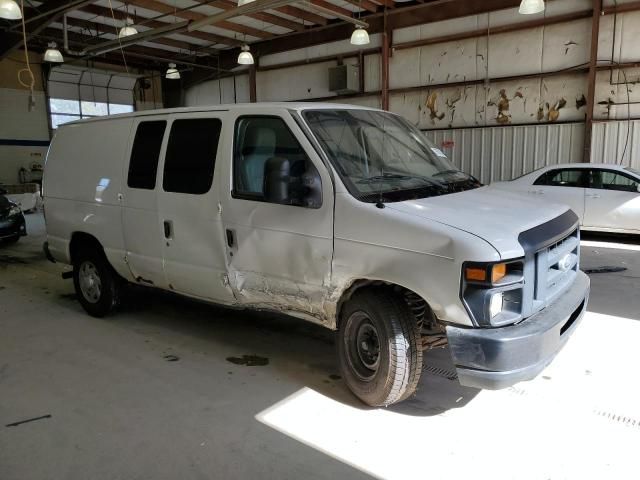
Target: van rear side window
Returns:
[143, 165]
[191, 155]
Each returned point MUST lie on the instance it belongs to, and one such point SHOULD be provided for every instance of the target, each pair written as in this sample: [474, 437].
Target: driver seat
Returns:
[259, 146]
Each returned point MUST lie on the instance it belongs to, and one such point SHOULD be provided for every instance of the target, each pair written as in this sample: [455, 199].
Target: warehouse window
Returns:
[191, 155]
[64, 111]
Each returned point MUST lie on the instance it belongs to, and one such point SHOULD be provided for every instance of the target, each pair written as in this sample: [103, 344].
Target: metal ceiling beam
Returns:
[163, 56]
[253, 7]
[335, 9]
[120, 15]
[366, 4]
[303, 15]
[262, 16]
[346, 18]
[35, 22]
[90, 26]
[196, 17]
[147, 35]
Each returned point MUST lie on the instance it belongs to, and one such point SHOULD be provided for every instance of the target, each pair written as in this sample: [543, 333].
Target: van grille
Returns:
[556, 267]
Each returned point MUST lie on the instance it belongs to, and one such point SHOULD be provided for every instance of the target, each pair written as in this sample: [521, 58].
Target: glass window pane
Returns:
[614, 181]
[58, 105]
[259, 139]
[57, 119]
[94, 108]
[562, 178]
[143, 165]
[191, 155]
[115, 108]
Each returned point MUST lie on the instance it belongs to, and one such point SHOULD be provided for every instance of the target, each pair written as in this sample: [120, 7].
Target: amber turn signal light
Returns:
[476, 274]
[498, 272]
[493, 273]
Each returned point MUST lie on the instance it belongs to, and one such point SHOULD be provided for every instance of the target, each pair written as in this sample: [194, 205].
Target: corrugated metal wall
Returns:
[609, 140]
[501, 153]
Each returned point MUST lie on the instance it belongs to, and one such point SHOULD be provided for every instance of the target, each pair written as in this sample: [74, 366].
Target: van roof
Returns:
[255, 107]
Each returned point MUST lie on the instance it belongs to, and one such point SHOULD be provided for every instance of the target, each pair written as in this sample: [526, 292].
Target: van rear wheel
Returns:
[98, 286]
[379, 347]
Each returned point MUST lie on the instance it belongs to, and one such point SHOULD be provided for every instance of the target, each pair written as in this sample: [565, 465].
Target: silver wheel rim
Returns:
[89, 280]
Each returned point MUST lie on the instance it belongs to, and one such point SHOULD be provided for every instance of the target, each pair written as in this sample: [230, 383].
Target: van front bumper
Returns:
[495, 358]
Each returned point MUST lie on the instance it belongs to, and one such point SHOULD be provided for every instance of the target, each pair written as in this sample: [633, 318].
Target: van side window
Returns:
[143, 165]
[191, 155]
[266, 143]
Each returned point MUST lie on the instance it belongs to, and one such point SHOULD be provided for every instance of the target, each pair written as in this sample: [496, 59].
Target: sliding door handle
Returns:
[230, 238]
[168, 229]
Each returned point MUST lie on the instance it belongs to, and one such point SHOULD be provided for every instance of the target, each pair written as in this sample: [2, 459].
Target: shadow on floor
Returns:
[302, 351]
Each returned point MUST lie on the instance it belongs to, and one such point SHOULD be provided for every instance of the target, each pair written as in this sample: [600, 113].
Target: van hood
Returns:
[497, 216]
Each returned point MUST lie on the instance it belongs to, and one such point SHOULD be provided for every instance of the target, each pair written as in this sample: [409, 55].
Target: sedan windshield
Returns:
[383, 158]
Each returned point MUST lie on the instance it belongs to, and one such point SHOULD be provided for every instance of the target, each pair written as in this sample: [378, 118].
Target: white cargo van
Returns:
[344, 216]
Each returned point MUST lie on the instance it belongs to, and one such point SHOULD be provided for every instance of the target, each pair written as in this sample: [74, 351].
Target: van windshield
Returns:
[383, 158]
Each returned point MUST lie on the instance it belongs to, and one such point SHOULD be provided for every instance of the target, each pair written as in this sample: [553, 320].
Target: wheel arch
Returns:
[418, 304]
[80, 240]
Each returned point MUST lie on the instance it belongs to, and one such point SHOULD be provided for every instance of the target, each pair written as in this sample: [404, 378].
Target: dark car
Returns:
[12, 224]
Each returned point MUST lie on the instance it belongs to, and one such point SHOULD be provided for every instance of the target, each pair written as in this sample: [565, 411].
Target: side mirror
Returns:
[298, 184]
[277, 171]
[638, 188]
[2, 191]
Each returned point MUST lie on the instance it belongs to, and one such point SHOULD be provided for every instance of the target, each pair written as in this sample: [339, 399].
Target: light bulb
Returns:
[172, 72]
[529, 7]
[245, 57]
[52, 54]
[360, 37]
[9, 10]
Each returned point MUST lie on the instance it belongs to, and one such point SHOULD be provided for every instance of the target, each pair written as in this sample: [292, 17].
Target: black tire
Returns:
[394, 376]
[91, 268]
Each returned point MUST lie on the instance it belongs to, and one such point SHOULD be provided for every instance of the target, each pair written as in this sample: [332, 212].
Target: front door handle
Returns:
[168, 229]
[536, 192]
[230, 238]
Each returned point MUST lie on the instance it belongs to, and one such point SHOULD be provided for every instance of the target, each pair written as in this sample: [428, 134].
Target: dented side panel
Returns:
[279, 256]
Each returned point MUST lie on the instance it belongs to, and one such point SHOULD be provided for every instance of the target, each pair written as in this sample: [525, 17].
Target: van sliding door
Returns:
[192, 232]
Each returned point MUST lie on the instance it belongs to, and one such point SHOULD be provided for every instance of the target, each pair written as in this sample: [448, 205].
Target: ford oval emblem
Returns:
[565, 262]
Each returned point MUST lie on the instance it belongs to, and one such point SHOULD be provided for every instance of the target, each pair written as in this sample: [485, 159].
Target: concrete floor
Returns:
[151, 393]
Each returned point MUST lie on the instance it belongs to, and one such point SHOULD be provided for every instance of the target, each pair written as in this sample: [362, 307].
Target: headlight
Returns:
[495, 305]
[492, 292]
[13, 211]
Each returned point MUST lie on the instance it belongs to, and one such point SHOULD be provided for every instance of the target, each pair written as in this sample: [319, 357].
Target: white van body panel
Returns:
[84, 185]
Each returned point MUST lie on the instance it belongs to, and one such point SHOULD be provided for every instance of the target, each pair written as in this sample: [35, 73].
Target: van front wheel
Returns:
[97, 285]
[379, 347]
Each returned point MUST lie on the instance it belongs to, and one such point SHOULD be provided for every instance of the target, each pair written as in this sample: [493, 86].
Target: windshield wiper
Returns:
[386, 176]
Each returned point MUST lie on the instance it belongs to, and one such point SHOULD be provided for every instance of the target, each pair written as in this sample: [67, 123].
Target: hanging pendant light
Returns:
[52, 54]
[244, 2]
[359, 36]
[9, 10]
[529, 7]
[128, 29]
[245, 57]
[172, 72]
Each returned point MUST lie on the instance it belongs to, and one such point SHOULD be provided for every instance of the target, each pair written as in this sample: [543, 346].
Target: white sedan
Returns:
[605, 197]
